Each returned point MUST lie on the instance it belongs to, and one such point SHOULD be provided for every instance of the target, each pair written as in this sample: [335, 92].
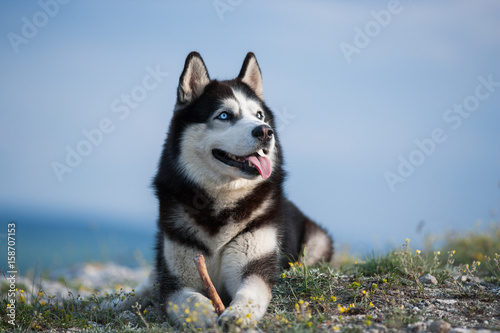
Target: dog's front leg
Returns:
[249, 304]
[250, 268]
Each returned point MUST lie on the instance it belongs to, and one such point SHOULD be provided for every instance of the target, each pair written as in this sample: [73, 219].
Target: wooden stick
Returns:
[207, 283]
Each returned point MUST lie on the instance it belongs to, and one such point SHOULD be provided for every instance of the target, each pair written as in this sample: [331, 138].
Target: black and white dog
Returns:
[220, 190]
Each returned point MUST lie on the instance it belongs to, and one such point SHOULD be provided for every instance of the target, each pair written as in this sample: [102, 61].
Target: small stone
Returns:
[377, 328]
[459, 330]
[416, 327]
[446, 301]
[428, 279]
[128, 317]
[439, 326]
[470, 278]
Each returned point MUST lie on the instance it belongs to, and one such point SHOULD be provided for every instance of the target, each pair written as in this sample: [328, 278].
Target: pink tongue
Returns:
[262, 164]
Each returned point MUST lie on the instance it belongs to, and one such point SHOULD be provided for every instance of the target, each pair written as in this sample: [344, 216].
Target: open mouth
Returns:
[254, 164]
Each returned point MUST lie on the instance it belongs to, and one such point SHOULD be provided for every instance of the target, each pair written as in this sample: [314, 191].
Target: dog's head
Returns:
[224, 132]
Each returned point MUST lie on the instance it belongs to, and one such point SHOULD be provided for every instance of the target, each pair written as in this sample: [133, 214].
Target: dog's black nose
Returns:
[264, 133]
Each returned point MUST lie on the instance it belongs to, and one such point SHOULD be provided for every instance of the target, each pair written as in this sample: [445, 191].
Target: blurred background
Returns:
[388, 112]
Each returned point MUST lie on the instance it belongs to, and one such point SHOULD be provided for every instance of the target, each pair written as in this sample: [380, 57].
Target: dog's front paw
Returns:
[239, 315]
[197, 311]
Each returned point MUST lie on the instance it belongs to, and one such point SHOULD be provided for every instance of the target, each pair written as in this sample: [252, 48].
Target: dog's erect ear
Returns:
[193, 79]
[251, 75]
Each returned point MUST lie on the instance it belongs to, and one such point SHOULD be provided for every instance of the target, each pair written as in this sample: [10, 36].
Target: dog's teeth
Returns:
[250, 164]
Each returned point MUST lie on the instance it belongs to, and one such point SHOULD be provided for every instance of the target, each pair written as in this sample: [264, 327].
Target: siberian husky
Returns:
[220, 190]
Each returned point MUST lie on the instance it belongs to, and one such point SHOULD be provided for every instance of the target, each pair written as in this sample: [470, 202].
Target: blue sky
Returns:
[347, 118]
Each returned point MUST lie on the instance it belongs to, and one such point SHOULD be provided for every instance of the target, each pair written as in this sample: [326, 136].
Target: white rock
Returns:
[446, 301]
[459, 330]
[377, 328]
[439, 326]
[428, 279]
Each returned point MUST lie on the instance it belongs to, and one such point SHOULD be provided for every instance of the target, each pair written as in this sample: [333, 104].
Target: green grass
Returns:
[475, 246]
[350, 298]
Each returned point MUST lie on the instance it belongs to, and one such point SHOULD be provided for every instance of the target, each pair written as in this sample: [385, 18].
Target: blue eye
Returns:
[223, 116]
[260, 115]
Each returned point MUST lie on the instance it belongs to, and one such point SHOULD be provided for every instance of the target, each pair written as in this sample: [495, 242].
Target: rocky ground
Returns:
[474, 306]
[339, 302]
